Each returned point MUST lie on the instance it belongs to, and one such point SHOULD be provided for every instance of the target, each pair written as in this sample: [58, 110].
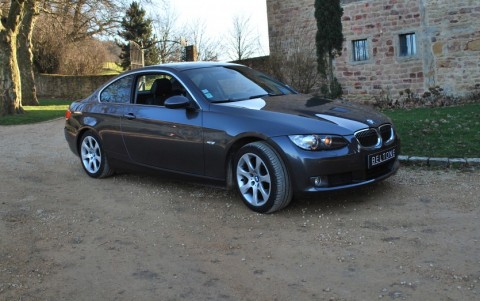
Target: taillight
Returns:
[68, 114]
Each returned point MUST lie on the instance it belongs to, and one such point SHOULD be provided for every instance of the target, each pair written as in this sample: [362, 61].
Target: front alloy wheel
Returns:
[253, 179]
[262, 178]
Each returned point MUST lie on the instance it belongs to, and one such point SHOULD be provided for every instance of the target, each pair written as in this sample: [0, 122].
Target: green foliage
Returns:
[336, 89]
[111, 68]
[47, 110]
[136, 27]
[452, 132]
[329, 37]
[333, 91]
[328, 41]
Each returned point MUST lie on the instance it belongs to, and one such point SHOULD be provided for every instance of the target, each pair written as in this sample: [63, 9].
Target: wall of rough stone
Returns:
[447, 40]
[454, 32]
[288, 22]
[381, 23]
[68, 87]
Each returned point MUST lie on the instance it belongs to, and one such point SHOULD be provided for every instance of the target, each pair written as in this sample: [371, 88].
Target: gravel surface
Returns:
[65, 236]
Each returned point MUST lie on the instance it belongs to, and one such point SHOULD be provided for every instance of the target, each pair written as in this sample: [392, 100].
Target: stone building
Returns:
[391, 45]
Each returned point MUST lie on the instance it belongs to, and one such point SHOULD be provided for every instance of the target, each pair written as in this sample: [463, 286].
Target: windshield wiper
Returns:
[223, 101]
[258, 96]
[262, 95]
[243, 98]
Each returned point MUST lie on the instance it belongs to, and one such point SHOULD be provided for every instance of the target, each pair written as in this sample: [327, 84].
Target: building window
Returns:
[360, 50]
[408, 46]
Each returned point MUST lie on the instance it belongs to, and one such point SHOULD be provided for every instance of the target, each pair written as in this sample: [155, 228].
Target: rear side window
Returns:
[119, 91]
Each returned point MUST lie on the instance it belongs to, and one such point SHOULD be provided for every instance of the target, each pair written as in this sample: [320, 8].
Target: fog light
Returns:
[320, 181]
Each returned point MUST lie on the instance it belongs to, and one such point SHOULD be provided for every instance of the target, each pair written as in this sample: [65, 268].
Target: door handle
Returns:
[129, 116]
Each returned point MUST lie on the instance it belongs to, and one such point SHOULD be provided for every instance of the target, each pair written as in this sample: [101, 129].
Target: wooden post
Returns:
[191, 53]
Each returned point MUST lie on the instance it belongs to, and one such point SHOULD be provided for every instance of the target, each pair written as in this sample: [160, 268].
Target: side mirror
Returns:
[177, 102]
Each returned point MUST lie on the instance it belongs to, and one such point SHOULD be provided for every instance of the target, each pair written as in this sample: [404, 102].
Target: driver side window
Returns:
[154, 89]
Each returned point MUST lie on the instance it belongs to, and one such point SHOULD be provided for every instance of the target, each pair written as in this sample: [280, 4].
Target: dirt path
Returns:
[65, 236]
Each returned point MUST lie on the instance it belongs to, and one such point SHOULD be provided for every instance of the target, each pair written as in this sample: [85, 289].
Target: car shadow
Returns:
[343, 199]
[216, 193]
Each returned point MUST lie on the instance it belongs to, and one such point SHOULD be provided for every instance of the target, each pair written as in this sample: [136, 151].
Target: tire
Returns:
[93, 158]
[262, 178]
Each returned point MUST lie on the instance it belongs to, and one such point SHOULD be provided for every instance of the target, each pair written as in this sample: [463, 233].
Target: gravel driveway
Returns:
[65, 236]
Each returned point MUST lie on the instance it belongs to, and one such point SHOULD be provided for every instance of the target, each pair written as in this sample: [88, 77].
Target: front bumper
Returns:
[338, 169]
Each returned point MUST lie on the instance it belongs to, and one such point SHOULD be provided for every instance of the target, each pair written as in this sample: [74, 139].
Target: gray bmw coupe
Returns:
[229, 123]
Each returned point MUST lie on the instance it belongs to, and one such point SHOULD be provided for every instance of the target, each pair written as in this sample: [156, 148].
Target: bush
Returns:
[295, 69]
[46, 34]
[335, 90]
[434, 97]
[83, 58]
[293, 60]
[56, 51]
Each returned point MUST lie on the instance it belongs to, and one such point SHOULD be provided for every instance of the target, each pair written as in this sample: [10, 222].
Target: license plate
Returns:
[381, 157]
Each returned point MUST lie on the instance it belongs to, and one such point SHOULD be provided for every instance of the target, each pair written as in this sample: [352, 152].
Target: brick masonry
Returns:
[447, 34]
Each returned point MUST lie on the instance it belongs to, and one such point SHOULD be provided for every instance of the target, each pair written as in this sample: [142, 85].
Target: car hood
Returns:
[342, 113]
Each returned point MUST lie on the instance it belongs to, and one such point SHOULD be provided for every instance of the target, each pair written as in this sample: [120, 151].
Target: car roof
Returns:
[186, 66]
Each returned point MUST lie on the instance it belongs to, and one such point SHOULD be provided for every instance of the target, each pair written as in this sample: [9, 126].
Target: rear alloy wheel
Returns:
[94, 160]
[262, 178]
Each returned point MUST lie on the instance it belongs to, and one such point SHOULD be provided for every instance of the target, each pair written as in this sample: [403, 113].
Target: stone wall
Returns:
[453, 28]
[259, 63]
[380, 23]
[447, 41]
[68, 87]
[290, 21]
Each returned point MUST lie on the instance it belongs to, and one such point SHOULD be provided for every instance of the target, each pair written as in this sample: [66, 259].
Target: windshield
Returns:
[234, 83]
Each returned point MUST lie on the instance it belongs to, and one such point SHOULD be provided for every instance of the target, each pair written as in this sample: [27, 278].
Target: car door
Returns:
[106, 114]
[168, 139]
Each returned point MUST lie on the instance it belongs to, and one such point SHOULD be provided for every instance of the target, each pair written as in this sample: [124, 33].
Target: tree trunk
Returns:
[25, 55]
[9, 103]
[330, 72]
[10, 86]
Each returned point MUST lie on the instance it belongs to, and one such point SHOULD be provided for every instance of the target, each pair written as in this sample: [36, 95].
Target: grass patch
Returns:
[47, 110]
[111, 68]
[452, 132]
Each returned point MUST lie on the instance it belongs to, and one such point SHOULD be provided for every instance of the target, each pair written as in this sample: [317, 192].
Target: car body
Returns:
[227, 122]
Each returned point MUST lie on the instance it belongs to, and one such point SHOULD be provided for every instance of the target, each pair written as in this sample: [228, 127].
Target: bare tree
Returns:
[48, 31]
[207, 47]
[81, 19]
[65, 22]
[242, 41]
[74, 61]
[167, 35]
[85, 18]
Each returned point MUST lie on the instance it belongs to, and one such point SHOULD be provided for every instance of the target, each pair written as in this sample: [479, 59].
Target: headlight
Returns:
[318, 142]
